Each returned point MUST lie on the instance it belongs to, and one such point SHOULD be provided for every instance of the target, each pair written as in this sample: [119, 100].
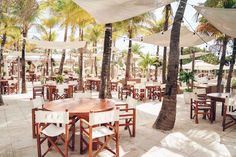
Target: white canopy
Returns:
[197, 54]
[223, 19]
[187, 38]
[200, 65]
[57, 44]
[110, 11]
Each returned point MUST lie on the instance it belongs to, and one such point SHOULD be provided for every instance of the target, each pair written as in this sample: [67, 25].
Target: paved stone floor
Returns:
[187, 139]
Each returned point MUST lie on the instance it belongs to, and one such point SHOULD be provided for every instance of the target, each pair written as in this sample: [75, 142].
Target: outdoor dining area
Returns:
[128, 79]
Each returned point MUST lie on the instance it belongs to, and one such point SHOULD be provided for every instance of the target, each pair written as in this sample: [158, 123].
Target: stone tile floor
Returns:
[187, 139]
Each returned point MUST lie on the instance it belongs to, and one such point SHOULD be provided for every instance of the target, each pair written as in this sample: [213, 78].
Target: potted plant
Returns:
[186, 77]
[59, 79]
[234, 86]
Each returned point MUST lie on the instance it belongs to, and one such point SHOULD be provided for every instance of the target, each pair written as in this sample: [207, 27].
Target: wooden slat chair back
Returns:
[229, 116]
[47, 129]
[139, 91]
[201, 93]
[103, 124]
[37, 104]
[127, 117]
[198, 106]
[61, 94]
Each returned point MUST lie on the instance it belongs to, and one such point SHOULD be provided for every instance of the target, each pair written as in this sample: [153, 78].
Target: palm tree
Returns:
[206, 27]
[93, 34]
[167, 14]
[167, 115]
[131, 27]
[47, 33]
[231, 69]
[156, 26]
[26, 11]
[105, 60]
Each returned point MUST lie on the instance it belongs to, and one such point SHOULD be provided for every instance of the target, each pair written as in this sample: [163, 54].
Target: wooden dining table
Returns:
[80, 107]
[217, 97]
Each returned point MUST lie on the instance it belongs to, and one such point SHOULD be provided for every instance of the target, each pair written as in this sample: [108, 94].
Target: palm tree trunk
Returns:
[81, 61]
[167, 11]
[181, 61]
[105, 60]
[128, 61]
[63, 52]
[231, 69]
[23, 85]
[222, 63]
[167, 115]
[4, 39]
[95, 60]
[112, 66]
[156, 67]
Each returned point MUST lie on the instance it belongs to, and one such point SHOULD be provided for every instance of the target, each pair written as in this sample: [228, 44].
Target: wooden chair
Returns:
[139, 91]
[229, 116]
[37, 104]
[61, 91]
[47, 129]
[127, 115]
[38, 91]
[100, 125]
[200, 106]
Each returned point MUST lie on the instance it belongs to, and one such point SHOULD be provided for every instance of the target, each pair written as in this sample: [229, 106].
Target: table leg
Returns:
[213, 104]
[222, 109]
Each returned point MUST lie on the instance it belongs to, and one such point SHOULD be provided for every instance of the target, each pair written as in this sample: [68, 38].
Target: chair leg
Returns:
[196, 115]
[90, 146]
[38, 143]
[33, 123]
[191, 112]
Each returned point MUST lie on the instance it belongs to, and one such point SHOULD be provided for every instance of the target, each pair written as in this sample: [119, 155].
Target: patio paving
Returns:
[187, 139]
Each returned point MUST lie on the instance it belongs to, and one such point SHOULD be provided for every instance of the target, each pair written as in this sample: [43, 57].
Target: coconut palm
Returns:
[26, 11]
[167, 115]
[105, 60]
[94, 34]
[206, 27]
[131, 27]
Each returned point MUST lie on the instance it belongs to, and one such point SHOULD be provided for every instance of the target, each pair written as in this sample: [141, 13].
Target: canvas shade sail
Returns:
[57, 44]
[200, 65]
[187, 38]
[110, 11]
[223, 19]
[197, 54]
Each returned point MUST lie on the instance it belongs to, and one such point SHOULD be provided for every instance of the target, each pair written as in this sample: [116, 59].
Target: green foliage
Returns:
[210, 58]
[186, 77]
[59, 79]
[77, 71]
[188, 90]
[234, 83]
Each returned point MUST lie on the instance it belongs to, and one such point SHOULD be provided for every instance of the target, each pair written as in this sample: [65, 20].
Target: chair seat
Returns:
[52, 130]
[100, 132]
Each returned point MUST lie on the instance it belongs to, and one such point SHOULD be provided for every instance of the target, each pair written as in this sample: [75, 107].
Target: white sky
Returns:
[147, 48]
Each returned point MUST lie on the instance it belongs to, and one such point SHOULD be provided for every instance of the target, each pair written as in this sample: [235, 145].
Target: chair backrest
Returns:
[199, 91]
[131, 102]
[51, 117]
[110, 116]
[231, 106]
[37, 102]
[61, 88]
[82, 95]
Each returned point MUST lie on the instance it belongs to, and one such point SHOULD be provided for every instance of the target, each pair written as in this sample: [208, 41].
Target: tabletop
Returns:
[80, 106]
[218, 95]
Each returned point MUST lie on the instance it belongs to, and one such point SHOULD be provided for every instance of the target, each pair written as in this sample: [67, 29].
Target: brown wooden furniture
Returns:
[103, 124]
[151, 90]
[47, 129]
[80, 108]
[93, 84]
[38, 91]
[217, 97]
[200, 106]
[124, 91]
[229, 117]
[3, 83]
[128, 115]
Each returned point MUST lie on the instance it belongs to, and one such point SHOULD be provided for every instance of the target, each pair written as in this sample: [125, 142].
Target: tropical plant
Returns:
[167, 115]
[26, 11]
[234, 83]
[59, 79]
[186, 77]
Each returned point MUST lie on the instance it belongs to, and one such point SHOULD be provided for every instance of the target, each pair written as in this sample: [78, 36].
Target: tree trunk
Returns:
[4, 39]
[156, 67]
[231, 69]
[166, 24]
[105, 60]
[81, 61]
[113, 66]
[63, 52]
[128, 61]
[222, 63]
[95, 66]
[167, 115]
[23, 85]
[181, 61]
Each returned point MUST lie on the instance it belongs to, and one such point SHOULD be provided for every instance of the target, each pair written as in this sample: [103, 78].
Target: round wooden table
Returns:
[217, 97]
[80, 107]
